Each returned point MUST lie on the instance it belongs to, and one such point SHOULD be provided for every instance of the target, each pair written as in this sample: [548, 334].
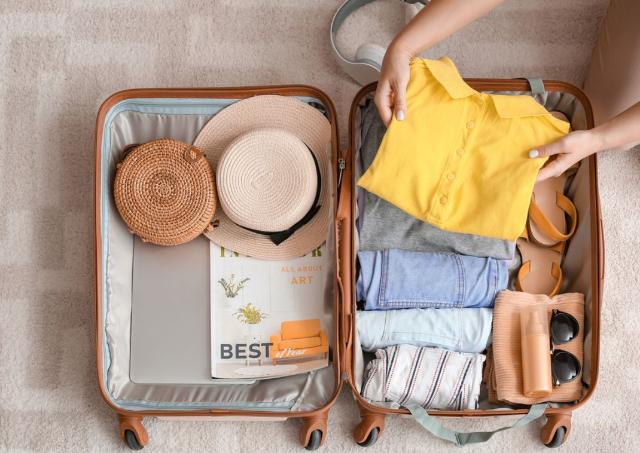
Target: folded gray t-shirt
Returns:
[381, 225]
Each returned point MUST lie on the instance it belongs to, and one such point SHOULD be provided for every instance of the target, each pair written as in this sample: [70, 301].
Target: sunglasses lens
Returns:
[564, 366]
[564, 327]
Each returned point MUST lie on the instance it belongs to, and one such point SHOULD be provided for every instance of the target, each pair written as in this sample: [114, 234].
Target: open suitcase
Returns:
[583, 267]
[136, 116]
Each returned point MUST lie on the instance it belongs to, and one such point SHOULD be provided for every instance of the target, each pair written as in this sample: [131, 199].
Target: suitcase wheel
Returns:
[132, 431]
[557, 429]
[370, 428]
[315, 439]
[558, 438]
[132, 441]
[371, 439]
[313, 432]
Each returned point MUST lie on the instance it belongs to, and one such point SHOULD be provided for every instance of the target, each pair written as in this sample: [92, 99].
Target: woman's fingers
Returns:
[400, 98]
[392, 86]
[551, 170]
[391, 100]
[558, 166]
[384, 101]
[569, 149]
[548, 150]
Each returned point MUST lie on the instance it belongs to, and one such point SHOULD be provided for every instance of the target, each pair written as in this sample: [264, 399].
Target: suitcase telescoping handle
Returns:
[432, 425]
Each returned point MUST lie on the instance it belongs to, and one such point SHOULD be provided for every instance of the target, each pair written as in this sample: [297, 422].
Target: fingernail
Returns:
[533, 153]
[400, 115]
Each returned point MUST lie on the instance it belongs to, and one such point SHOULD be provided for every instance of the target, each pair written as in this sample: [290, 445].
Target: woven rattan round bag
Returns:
[165, 191]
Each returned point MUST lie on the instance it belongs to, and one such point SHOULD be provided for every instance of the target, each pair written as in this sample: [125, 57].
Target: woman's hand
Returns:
[436, 21]
[570, 149]
[390, 96]
[620, 131]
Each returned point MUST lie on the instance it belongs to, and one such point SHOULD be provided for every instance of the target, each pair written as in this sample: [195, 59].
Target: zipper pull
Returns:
[341, 166]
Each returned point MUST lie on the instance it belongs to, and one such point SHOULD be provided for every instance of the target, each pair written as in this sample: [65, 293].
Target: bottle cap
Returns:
[534, 320]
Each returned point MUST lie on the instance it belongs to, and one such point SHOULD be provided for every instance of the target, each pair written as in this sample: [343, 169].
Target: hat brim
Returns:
[296, 117]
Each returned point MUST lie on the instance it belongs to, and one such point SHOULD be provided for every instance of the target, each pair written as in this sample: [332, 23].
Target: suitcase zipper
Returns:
[217, 103]
[341, 167]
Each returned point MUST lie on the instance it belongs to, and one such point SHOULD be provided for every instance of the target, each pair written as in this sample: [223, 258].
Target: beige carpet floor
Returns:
[60, 58]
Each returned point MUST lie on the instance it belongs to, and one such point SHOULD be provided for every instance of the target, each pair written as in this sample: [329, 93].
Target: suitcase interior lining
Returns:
[138, 121]
[577, 262]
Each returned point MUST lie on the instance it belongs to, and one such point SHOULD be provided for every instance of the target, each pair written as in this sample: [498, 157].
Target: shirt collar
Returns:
[446, 73]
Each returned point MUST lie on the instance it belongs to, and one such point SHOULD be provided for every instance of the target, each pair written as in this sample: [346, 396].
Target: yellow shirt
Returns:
[459, 160]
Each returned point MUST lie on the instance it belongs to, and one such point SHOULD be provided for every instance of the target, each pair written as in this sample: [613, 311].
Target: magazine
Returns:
[268, 318]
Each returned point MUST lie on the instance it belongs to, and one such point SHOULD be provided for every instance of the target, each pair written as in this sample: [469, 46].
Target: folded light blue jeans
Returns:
[392, 279]
[455, 329]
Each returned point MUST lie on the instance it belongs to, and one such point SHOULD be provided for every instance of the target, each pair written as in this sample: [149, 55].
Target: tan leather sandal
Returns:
[540, 272]
[546, 224]
[549, 208]
[543, 242]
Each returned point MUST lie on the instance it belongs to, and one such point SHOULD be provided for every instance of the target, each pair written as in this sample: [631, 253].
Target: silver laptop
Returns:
[170, 326]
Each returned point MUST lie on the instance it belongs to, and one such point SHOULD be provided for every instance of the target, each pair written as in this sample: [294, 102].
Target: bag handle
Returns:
[536, 84]
[192, 154]
[365, 68]
[432, 425]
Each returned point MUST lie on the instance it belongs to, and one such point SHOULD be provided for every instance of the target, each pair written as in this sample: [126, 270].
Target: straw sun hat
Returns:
[272, 161]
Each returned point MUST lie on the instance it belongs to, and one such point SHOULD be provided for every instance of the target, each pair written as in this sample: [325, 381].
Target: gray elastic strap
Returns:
[432, 425]
[537, 86]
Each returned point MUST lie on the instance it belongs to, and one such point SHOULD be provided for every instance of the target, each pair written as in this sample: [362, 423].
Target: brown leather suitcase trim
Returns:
[316, 419]
[597, 258]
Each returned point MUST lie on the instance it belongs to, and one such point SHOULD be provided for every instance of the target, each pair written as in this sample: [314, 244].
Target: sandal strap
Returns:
[522, 273]
[549, 229]
[556, 272]
[557, 247]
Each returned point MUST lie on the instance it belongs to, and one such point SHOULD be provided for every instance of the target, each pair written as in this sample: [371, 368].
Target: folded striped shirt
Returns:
[429, 377]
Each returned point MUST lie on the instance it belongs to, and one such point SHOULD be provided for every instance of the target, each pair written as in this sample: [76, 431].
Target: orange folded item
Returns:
[504, 374]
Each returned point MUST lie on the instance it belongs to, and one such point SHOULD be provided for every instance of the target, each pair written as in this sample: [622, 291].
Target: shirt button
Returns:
[460, 152]
[451, 176]
[443, 199]
[470, 125]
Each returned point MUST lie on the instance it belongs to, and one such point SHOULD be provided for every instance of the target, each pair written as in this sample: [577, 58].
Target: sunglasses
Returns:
[564, 328]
